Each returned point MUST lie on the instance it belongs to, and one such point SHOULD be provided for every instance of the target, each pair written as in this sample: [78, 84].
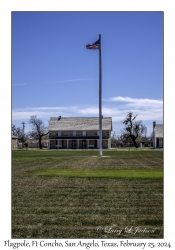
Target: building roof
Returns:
[14, 137]
[158, 130]
[79, 123]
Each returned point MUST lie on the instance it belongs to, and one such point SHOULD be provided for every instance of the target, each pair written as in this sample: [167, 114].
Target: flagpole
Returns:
[100, 99]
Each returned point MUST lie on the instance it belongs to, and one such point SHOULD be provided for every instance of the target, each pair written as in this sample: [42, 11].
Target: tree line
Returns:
[133, 130]
[38, 130]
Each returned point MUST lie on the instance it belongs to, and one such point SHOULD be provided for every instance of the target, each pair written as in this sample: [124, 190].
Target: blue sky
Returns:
[54, 74]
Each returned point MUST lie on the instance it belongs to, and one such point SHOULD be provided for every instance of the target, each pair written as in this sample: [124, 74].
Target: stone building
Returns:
[157, 135]
[14, 141]
[78, 132]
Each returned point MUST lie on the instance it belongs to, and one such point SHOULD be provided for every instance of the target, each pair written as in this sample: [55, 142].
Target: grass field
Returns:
[76, 194]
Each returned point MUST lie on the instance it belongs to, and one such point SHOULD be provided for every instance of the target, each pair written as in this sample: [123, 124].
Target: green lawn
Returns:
[102, 173]
[76, 194]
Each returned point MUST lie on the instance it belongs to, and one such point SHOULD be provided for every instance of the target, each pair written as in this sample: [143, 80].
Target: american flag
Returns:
[95, 45]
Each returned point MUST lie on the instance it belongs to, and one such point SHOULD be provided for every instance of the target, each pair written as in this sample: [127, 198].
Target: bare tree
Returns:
[38, 129]
[113, 139]
[133, 129]
[13, 129]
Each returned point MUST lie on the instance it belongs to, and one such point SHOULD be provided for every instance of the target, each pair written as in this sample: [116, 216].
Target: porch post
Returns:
[155, 142]
[48, 145]
[109, 145]
[87, 143]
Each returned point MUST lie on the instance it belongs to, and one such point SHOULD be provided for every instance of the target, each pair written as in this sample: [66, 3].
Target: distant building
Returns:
[35, 143]
[14, 141]
[157, 135]
[78, 132]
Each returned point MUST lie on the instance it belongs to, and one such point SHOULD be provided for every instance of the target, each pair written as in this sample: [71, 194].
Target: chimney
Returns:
[154, 124]
[154, 140]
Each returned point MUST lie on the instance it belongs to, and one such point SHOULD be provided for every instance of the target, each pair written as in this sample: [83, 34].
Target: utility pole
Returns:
[23, 133]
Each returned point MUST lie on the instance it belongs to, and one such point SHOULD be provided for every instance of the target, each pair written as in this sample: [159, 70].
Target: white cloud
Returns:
[75, 80]
[142, 102]
[18, 84]
[42, 112]
[116, 114]
[148, 110]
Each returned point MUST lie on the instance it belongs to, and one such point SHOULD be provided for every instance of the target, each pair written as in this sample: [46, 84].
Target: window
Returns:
[98, 133]
[84, 133]
[74, 144]
[59, 133]
[74, 133]
[59, 143]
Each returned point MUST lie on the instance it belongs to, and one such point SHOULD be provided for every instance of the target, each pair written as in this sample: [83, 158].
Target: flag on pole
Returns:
[95, 45]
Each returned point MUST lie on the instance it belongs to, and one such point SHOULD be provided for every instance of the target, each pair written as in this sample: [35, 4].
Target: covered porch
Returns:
[77, 144]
